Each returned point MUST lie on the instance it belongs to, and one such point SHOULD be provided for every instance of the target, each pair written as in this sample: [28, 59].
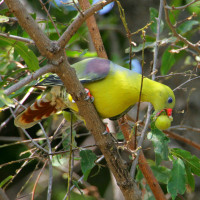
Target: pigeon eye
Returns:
[170, 100]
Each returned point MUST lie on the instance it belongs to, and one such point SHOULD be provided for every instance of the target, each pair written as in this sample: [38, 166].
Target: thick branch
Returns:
[97, 128]
[94, 31]
[130, 191]
[143, 165]
[148, 174]
[71, 82]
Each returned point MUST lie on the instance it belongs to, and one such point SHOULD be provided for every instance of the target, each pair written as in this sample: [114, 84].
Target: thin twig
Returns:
[70, 171]
[141, 87]
[184, 127]
[180, 7]
[38, 178]
[48, 14]
[152, 182]
[143, 134]
[17, 38]
[191, 79]
[49, 191]
[18, 161]
[180, 37]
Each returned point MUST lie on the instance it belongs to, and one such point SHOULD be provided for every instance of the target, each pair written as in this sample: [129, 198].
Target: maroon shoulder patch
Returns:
[98, 66]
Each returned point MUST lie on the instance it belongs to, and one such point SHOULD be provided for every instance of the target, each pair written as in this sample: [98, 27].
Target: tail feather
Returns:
[40, 109]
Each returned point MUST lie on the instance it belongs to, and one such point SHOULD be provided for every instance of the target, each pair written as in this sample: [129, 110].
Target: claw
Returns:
[106, 131]
[89, 96]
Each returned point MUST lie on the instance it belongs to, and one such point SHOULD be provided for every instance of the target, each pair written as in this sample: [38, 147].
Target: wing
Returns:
[88, 70]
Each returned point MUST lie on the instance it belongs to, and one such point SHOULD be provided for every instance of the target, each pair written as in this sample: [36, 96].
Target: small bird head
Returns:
[164, 100]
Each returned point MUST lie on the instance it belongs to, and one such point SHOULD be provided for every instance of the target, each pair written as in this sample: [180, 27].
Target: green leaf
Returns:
[161, 173]
[153, 16]
[5, 181]
[190, 177]
[87, 162]
[26, 53]
[69, 116]
[5, 100]
[187, 26]
[160, 143]
[177, 182]
[139, 176]
[3, 19]
[168, 60]
[191, 160]
[193, 8]
[120, 136]
[173, 16]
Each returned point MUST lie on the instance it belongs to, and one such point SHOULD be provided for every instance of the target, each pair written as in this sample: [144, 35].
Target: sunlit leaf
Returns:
[193, 8]
[84, 53]
[191, 160]
[5, 181]
[3, 19]
[26, 53]
[5, 100]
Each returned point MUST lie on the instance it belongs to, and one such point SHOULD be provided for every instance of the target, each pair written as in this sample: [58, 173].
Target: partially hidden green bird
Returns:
[115, 90]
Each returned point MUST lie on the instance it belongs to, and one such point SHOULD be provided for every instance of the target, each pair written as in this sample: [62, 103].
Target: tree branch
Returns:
[17, 38]
[182, 139]
[74, 87]
[181, 7]
[28, 79]
[94, 31]
[180, 37]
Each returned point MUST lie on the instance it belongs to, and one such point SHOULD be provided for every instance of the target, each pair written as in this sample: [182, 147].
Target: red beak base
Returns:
[167, 110]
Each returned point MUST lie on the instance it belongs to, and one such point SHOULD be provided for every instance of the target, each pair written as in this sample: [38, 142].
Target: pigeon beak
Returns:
[168, 112]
